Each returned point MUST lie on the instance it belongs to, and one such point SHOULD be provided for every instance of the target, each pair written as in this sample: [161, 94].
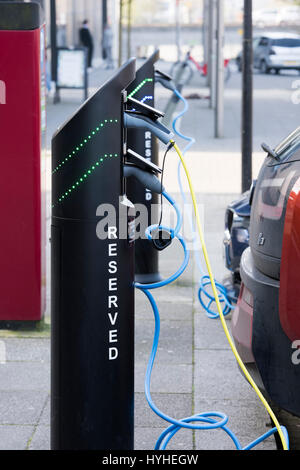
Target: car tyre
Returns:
[239, 65]
[292, 424]
[264, 68]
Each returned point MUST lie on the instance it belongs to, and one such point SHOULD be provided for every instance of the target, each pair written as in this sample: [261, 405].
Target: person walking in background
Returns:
[107, 45]
[86, 40]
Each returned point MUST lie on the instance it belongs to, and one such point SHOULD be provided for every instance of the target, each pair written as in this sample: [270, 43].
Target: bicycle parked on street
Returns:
[183, 71]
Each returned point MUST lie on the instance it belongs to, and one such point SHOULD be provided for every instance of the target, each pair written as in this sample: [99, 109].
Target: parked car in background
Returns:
[239, 58]
[266, 17]
[290, 16]
[277, 51]
[266, 321]
[274, 52]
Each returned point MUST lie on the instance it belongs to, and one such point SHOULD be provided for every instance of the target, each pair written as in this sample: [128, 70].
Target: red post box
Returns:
[22, 164]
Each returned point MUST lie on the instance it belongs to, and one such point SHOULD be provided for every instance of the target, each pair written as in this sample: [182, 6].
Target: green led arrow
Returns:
[82, 144]
[85, 175]
[147, 80]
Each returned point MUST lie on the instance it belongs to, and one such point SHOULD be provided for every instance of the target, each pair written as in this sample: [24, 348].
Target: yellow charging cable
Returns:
[212, 280]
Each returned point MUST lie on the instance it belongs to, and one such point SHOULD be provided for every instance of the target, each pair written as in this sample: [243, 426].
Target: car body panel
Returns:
[270, 275]
[289, 299]
[273, 187]
[271, 348]
[242, 325]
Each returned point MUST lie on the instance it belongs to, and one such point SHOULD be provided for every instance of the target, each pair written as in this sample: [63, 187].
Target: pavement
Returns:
[195, 370]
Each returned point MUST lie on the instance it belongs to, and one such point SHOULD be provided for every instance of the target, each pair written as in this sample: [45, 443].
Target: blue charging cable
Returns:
[202, 421]
[206, 298]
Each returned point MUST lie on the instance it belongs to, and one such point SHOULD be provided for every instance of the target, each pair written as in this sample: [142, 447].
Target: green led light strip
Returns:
[83, 177]
[84, 142]
[147, 80]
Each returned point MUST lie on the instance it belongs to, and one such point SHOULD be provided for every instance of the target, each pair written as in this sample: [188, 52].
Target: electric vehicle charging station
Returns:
[92, 277]
[92, 269]
[144, 143]
[22, 191]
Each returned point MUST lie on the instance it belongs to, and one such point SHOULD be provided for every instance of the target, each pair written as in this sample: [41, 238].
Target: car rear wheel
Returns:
[239, 65]
[263, 67]
[292, 424]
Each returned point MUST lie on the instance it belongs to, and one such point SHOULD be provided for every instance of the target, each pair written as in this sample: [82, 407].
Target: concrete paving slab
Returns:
[209, 334]
[40, 439]
[15, 437]
[145, 439]
[175, 294]
[25, 376]
[27, 350]
[175, 405]
[169, 311]
[219, 440]
[248, 421]
[165, 378]
[21, 407]
[217, 377]
[45, 416]
[175, 346]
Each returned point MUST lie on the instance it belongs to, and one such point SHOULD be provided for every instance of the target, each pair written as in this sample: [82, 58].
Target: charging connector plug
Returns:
[161, 239]
[148, 180]
[165, 80]
[139, 121]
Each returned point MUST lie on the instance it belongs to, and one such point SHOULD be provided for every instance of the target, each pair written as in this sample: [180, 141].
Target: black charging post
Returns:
[146, 144]
[92, 269]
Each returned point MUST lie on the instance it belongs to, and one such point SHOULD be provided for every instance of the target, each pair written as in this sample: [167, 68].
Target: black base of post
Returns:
[148, 278]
